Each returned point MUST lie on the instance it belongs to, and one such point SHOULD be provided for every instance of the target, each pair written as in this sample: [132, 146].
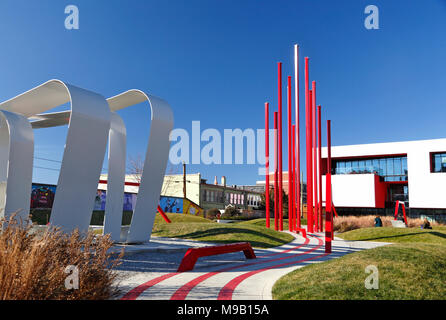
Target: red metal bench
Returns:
[192, 255]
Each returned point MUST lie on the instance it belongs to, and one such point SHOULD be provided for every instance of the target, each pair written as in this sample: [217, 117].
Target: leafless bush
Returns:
[32, 265]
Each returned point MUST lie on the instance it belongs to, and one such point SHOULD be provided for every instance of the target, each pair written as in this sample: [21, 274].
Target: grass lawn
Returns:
[406, 271]
[176, 217]
[204, 230]
[262, 221]
[201, 229]
[413, 267]
[397, 235]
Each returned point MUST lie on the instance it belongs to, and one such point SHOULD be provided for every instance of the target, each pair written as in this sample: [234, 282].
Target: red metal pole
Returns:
[267, 163]
[165, 217]
[276, 187]
[290, 163]
[279, 67]
[321, 227]
[296, 153]
[308, 147]
[315, 187]
[328, 211]
[397, 206]
[293, 175]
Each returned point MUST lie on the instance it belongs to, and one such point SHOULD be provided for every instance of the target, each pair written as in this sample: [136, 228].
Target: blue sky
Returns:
[216, 61]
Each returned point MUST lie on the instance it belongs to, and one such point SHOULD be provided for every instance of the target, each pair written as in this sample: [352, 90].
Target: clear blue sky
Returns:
[215, 61]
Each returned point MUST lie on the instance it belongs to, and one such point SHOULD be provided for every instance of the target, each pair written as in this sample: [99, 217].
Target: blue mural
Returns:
[171, 204]
[42, 196]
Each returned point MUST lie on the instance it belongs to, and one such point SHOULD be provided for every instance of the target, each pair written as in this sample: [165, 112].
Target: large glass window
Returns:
[375, 163]
[404, 165]
[382, 167]
[397, 166]
[391, 168]
[438, 162]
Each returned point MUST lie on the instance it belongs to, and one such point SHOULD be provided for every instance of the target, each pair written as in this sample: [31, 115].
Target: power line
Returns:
[52, 169]
[56, 161]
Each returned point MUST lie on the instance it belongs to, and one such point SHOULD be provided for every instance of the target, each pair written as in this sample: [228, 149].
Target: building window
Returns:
[390, 168]
[438, 162]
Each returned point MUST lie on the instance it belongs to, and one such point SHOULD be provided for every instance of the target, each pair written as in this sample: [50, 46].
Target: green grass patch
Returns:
[397, 235]
[176, 217]
[258, 236]
[262, 222]
[406, 271]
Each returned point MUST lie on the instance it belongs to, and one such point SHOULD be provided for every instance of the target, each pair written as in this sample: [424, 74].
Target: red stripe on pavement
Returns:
[136, 292]
[183, 291]
[227, 291]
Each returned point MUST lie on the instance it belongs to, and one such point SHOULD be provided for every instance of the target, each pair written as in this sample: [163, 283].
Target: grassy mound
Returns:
[406, 271]
[258, 236]
[262, 221]
[397, 235]
[175, 217]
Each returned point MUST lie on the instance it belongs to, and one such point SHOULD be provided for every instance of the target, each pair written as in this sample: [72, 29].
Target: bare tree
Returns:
[135, 166]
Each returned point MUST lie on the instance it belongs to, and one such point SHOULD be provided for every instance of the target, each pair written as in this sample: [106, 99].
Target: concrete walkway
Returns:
[151, 273]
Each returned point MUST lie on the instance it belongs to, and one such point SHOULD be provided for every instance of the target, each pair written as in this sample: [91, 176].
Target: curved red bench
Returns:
[191, 256]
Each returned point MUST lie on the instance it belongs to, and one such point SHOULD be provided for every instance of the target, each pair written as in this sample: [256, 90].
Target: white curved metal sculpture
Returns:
[116, 178]
[85, 147]
[155, 162]
[94, 121]
[16, 164]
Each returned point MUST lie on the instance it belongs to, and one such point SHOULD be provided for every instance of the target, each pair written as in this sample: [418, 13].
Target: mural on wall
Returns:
[101, 199]
[171, 204]
[191, 208]
[42, 196]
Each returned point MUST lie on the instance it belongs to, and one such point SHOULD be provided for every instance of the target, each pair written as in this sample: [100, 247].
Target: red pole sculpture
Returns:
[315, 187]
[293, 160]
[328, 211]
[290, 163]
[296, 153]
[276, 198]
[267, 162]
[165, 217]
[279, 66]
[308, 147]
[319, 135]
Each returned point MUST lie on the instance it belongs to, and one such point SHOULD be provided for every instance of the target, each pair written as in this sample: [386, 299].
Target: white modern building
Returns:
[372, 177]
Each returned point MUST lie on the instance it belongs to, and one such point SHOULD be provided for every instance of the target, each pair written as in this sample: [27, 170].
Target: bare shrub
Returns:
[347, 223]
[32, 264]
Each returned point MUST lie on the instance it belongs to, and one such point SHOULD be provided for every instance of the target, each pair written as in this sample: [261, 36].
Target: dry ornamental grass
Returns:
[32, 265]
[347, 223]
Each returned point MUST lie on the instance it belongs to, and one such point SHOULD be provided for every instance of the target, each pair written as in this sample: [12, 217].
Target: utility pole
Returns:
[184, 180]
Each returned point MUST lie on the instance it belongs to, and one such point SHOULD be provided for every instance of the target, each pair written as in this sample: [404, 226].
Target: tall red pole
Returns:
[319, 135]
[293, 175]
[279, 67]
[296, 153]
[328, 209]
[308, 147]
[267, 162]
[315, 187]
[290, 163]
[276, 187]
